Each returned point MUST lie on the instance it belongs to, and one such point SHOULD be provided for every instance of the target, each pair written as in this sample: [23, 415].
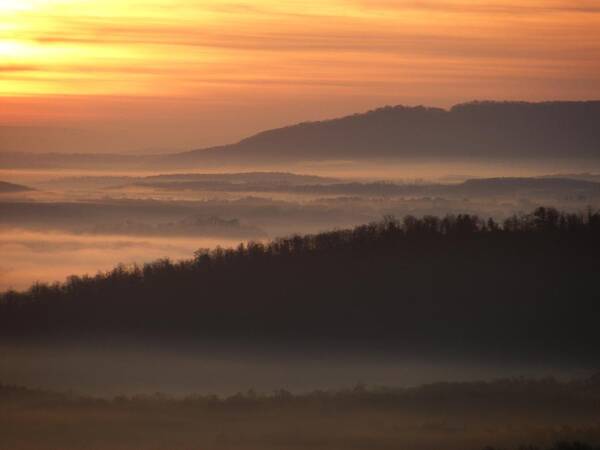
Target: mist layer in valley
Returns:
[54, 224]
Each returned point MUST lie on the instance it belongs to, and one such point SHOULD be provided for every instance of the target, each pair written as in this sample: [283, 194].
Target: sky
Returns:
[160, 75]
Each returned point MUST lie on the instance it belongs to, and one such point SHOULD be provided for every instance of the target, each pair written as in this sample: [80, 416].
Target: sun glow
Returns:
[266, 51]
[14, 5]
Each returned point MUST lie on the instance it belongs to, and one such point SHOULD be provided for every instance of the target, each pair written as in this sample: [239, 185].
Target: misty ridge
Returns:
[480, 129]
[578, 396]
[477, 129]
[128, 217]
[523, 288]
[256, 205]
[543, 413]
[472, 187]
[286, 182]
[226, 180]
[10, 188]
[81, 224]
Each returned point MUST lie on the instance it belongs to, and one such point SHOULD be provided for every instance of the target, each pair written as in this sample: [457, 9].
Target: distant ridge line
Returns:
[509, 130]
[477, 128]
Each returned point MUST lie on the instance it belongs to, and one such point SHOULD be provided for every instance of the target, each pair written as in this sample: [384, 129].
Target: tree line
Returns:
[568, 396]
[528, 283]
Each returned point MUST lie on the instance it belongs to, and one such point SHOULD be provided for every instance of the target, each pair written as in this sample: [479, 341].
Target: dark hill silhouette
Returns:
[6, 187]
[458, 284]
[482, 129]
[478, 129]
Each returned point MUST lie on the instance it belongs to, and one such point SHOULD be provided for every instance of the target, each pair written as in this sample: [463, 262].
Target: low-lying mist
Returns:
[118, 365]
[85, 221]
[504, 413]
[29, 256]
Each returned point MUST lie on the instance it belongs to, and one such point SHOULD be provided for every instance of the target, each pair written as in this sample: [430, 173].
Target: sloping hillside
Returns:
[483, 129]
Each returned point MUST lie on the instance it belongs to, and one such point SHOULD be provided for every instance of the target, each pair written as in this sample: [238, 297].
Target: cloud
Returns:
[506, 7]
[18, 68]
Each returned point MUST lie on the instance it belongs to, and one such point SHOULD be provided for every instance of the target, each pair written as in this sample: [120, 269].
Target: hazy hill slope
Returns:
[476, 187]
[505, 130]
[6, 187]
[485, 129]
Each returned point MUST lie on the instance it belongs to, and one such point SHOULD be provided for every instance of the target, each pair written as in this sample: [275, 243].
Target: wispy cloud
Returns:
[18, 68]
[498, 7]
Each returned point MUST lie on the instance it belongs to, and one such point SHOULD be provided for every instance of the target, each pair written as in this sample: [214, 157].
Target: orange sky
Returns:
[160, 74]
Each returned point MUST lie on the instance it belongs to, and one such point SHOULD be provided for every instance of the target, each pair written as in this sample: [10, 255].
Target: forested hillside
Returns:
[454, 284]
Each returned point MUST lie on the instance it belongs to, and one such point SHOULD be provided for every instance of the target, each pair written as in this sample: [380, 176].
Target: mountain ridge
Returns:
[478, 128]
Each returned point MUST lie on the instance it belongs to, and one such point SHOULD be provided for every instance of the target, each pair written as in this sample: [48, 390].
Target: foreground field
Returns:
[504, 414]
